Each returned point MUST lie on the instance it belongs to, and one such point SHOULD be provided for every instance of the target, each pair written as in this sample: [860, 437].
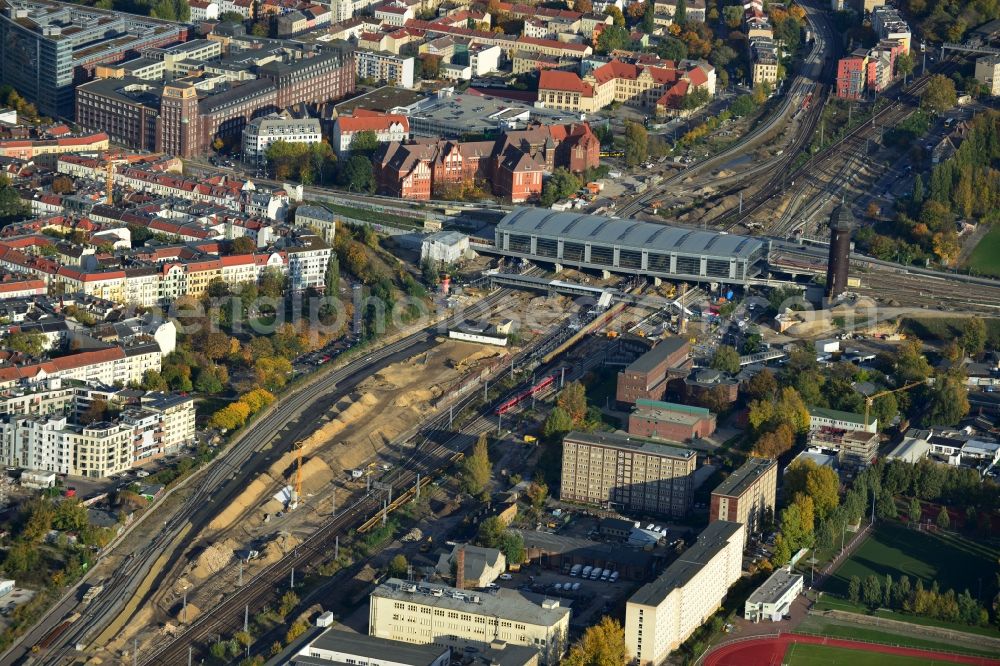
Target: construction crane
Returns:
[293, 500]
[870, 400]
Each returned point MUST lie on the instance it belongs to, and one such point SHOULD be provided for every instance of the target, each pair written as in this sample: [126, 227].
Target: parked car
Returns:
[506, 576]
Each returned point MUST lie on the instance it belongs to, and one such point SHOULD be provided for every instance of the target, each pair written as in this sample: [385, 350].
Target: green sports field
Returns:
[985, 258]
[895, 549]
[802, 654]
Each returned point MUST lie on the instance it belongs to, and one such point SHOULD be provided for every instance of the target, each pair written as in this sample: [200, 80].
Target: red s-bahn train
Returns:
[537, 388]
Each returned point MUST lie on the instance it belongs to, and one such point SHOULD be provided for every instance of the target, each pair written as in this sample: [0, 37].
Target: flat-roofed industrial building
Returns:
[628, 246]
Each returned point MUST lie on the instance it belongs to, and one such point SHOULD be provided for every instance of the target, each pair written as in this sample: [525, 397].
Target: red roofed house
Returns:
[386, 126]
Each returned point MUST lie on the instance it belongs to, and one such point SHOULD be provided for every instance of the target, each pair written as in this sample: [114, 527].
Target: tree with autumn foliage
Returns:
[602, 644]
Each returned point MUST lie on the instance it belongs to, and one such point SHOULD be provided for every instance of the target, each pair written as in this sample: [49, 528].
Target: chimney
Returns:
[460, 569]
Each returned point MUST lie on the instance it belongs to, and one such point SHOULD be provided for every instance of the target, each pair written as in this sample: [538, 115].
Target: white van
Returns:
[586, 571]
[575, 571]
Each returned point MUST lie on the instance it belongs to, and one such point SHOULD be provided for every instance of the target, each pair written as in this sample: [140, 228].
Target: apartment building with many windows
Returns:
[425, 613]
[664, 613]
[627, 472]
[747, 495]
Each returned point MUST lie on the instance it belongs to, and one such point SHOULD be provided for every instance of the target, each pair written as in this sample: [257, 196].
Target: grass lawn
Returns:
[985, 258]
[954, 562]
[802, 654]
[366, 215]
[815, 624]
[947, 328]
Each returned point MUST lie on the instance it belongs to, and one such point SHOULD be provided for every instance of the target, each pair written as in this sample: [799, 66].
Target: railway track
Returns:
[427, 459]
[826, 159]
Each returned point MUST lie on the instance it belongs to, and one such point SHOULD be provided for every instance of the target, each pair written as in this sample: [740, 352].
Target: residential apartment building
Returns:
[888, 24]
[308, 260]
[260, 133]
[664, 613]
[853, 448]
[51, 47]
[387, 127]
[55, 445]
[988, 73]
[317, 219]
[423, 613]
[384, 67]
[852, 73]
[764, 54]
[647, 377]
[628, 473]
[670, 421]
[747, 495]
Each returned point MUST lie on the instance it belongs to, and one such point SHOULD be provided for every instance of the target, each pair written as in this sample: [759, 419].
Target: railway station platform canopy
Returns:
[629, 246]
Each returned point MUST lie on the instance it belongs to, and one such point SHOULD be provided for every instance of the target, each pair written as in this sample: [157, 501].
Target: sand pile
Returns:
[192, 613]
[212, 560]
[280, 546]
[255, 491]
[412, 397]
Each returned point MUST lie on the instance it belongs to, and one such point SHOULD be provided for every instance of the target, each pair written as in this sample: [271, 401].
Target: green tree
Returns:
[557, 422]
[357, 174]
[733, 16]
[573, 400]
[561, 184]
[491, 532]
[974, 336]
[915, 510]
[616, 16]
[939, 95]
[602, 644]
[332, 278]
[819, 483]
[726, 359]
[636, 143]
[398, 566]
[30, 343]
[537, 493]
[885, 506]
[477, 468]
[918, 190]
[153, 381]
[943, 519]
[364, 142]
[762, 386]
[944, 403]
[854, 589]
[612, 38]
[512, 545]
[905, 64]
[872, 591]
[680, 13]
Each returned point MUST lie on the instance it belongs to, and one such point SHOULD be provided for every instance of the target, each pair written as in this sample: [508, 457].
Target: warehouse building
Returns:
[663, 613]
[460, 619]
[647, 377]
[626, 472]
[747, 494]
[670, 421]
[628, 246]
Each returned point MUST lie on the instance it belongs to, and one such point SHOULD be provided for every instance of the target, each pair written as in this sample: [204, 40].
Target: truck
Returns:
[575, 571]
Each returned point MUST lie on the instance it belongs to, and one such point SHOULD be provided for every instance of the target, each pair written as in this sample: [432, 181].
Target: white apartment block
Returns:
[202, 10]
[424, 613]
[260, 133]
[52, 444]
[988, 73]
[662, 614]
[307, 265]
[384, 66]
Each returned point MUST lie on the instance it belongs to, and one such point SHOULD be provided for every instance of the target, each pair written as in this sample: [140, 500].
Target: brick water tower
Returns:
[841, 226]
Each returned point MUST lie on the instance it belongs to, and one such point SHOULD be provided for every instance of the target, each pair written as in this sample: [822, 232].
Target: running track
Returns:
[771, 650]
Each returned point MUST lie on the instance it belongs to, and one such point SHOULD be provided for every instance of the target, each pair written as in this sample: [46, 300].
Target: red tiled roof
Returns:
[554, 79]
[374, 123]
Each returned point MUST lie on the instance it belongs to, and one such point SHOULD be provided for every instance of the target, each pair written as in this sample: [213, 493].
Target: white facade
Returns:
[772, 600]
[204, 11]
[307, 268]
[988, 73]
[387, 128]
[444, 615]
[53, 445]
[832, 418]
[485, 59]
[662, 614]
[447, 247]
[383, 66]
[260, 133]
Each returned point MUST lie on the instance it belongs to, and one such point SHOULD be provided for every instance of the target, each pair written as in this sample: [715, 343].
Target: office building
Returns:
[647, 377]
[317, 219]
[51, 47]
[670, 421]
[627, 473]
[772, 600]
[260, 133]
[747, 495]
[664, 613]
[422, 613]
[338, 646]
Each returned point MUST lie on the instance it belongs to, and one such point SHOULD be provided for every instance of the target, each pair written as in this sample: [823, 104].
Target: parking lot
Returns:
[589, 602]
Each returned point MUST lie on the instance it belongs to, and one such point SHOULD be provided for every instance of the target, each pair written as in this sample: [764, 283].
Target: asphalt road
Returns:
[217, 485]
